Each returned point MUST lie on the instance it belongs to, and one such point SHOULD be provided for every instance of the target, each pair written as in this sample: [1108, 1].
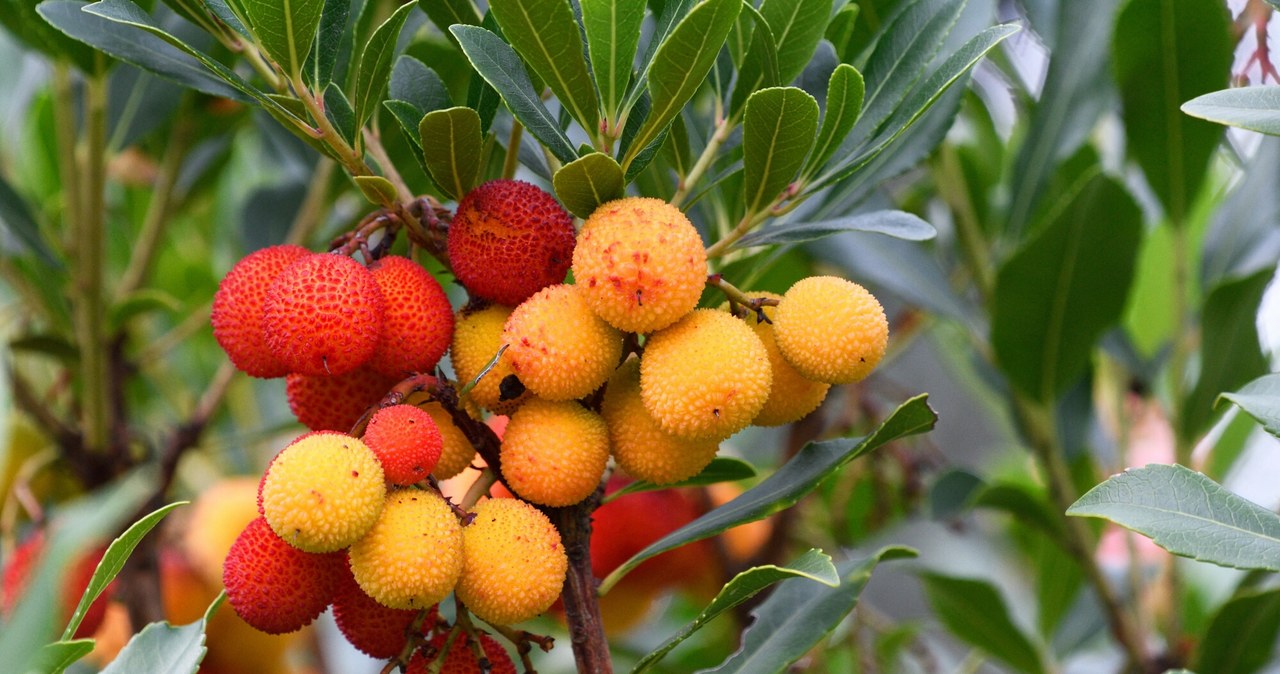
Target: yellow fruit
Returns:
[515, 562]
[706, 377]
[458, 452]
[323, 492]
[477, 337]
[831, 330]
[554, 453]
[791, 395]
[412, 557]
[218, 516]
[639, 445]
[640, 263]
[558, 347]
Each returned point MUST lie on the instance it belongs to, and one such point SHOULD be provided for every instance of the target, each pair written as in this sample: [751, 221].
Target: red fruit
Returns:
[627, 525]
[406, 441]
[323, 315]
[372, 628]
[274, 586]
[461, 659]
[23, 563]
[508, 240]
[238, 309]
[335, 403]
[418, 324]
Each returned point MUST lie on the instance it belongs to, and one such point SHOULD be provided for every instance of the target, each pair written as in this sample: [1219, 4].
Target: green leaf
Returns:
[413, 82]
[59, 655]
[953, 493]
[284, 28]
[721, 469]
[16, 216]
[1027, 507]
[760, 64]
[613, 34]
[1242, 635]
[1062, 289]
[55, 346]
[814, 565]
[545, 33]
[796, 27]
[1253, 108]
[324, 52]
[139, 302]
[451, 144]
[799, 614]
[974, 612]
[113, 561]
[799, 476]
[1167, 52]
[845, 90]
[1187, 514]
[588, 182]
[666, 21]
[445, 13]
[1230, 355]
[374, 69]
[24, 23]
[898, 224]
[681, 64]
[378, 190]
[1260, 399]
[840, 31]
[500, 66]
[778, 129]
[338, 109]
[161, 647]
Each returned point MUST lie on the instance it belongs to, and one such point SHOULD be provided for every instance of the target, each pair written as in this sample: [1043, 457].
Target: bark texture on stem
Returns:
[581, 604]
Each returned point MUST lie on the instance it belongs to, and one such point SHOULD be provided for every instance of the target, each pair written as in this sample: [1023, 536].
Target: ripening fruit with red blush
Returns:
[374, 629]
[418, 323]
[406, 441]
[554, 453]
[508, 240]
[238, 309]
[558, 347]
[23, 563]
[628, 524]
[274, 586]
[335, 403]
[476, 341]
[460, 658]
[323, 315]
[514, 562]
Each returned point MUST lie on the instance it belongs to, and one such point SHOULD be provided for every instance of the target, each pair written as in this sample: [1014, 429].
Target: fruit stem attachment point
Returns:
[739, 302]
[478, 489]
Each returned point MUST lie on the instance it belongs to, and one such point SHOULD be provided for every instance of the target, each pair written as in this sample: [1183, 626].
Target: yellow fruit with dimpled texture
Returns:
[792, 396]
[558, 347]
[641, 263]
[323, 492]
[706, 377]
[477, 336]
[515, 562]
[831, 330]
[412, 557]
[554, 453]
[638, 444]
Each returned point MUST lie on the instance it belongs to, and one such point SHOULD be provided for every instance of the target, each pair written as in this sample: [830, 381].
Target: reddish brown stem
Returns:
[581, 603]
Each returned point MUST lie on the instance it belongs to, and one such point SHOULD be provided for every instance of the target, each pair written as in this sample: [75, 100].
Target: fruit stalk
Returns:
[90, 248]
[581, 603]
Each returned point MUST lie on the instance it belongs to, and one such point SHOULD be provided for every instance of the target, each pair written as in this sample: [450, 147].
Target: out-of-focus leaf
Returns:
[840, 31]
[1230, 355]
[799, 614]
[845, 90]
[814, 565]
[1242, 236]
[588, 182]
[284, 28]
[24, 23]
[1167, 52]
[1058, 293]
[670, 16]
[1187, 514]
[759, 69]
[546, 34]
[373, 70]
[778, 129]
[953, 493]
[613, 34]
[55, 346]
[161, 647]
[139, 302]
[1252, 108]
[814, 463]
[721, 469]
[501, 68]
[898, 224]
[57, 656]
[1027, 507]
[974, 611]
[445, 13]
[1242, 635]
[451, 144]
[18, 221]
[1260, 399]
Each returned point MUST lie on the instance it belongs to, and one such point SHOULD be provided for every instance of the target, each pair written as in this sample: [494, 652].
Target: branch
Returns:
[581, 601]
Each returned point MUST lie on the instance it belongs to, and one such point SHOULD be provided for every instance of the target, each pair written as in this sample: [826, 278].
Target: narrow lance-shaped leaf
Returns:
[1241, 635]
[845, 90]
[1187, 514]
[672, 14]
[681, 64]
[613, 34]
[284, 28]
[56, 657]
[546, 34]
[451, 144]
[588, 182]
[796, 27]
[799, 476]
[778, 129]
[721, 469]
[1260, 399]
[759, 68]
[898, 224]
[500, 66]
[338, 110]
[814, 565]
[1252, 108]
[445, 13]
[374, 70]
[25, 23]
[973, 611]
[16, 216]
[324, 52]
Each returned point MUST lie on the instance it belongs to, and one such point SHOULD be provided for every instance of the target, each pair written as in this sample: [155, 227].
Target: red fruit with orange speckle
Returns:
[323, 315]
[238, 309]
[274, 586]
[406, 441]
[335, 403]
[372, 628]
[418, 324]
[508, 240]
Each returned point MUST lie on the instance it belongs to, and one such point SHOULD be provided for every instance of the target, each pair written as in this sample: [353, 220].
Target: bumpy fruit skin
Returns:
[558, 347]
[323, 315]
[274, 586]
[217, 517]
[412, 557]
[792, 396]
[641, 263]
[23, 563]
[638, 444]
[323, 492]
[457, 451]
[374, 629]
[461, 658]
[406, 441]
[418, 323]
[831, 329]
[508, 240]
[335, 403]
[476, 340]
[554, 453]
[514, 562]
[706, 377]
[238, 309]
